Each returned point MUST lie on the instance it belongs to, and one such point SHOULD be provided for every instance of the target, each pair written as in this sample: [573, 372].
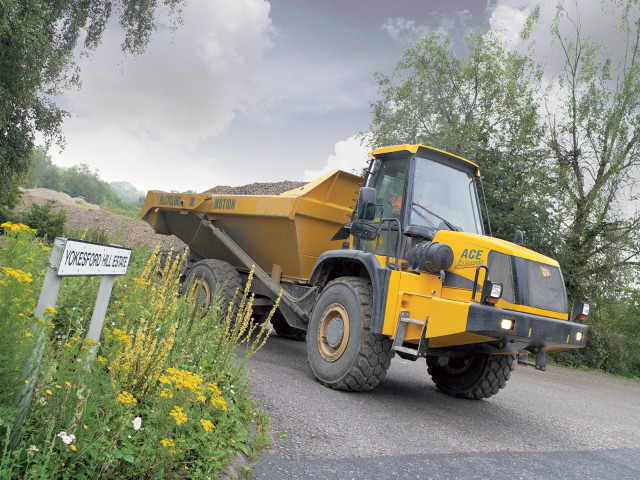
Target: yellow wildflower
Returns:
[101, 359]
[178, 415]
[126, 397]
[207, 425]
[67, 384]
[73, 447]
[166, 393]
[167, 442]
[58, 386]
[49, 392]
[219, 403]
[28, 335]
[50, 310]
[19, 275]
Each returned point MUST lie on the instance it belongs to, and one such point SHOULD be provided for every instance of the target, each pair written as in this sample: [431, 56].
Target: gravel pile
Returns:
[125, 230]
[275, 188]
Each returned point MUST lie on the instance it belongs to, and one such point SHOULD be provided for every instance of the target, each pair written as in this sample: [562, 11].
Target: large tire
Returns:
[218, 276]
[285, 330]
[474, 376]
[342, 351]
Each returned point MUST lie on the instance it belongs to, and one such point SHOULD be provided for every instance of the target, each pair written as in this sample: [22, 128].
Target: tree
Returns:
[481, 107]
[594, 148]
[38, 40]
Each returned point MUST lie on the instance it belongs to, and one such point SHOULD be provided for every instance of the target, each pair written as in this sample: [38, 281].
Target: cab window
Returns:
[390, 188]
[443, 195]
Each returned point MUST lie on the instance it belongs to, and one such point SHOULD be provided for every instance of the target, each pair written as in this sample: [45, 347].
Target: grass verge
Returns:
[165, 396]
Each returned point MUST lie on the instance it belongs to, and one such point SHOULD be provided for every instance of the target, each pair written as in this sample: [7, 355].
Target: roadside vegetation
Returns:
[162, 395]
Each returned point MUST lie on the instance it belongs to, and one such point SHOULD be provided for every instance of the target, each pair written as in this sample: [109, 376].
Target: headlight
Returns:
[580, 311]
[495, 293]
[507, 324]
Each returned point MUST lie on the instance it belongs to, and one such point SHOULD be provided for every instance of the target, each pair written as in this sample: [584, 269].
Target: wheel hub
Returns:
[333, 332]
[458, 365]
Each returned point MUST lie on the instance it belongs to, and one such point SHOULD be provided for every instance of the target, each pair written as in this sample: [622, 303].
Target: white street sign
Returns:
[87, 258]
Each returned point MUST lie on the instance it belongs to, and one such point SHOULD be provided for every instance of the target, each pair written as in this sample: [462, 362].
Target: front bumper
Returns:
[530, 332]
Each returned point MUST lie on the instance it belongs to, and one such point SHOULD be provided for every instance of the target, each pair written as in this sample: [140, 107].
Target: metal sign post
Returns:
[70, 258]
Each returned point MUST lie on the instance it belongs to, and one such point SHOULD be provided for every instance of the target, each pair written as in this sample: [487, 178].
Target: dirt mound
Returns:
[275, 188]
[126, 230]
[59, 197]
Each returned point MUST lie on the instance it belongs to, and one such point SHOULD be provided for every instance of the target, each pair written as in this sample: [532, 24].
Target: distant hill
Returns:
[126, 191]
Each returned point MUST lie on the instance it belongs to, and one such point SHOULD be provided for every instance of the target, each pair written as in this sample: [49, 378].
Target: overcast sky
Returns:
[256, 91]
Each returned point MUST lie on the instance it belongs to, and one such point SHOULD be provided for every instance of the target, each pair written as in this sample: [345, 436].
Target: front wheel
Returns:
[473, 376]
[342, 351]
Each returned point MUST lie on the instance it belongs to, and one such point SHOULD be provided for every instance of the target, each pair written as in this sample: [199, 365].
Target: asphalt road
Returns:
[563, 424]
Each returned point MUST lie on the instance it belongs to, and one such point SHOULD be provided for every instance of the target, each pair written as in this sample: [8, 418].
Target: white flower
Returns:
[33, 448]
[137, 422]
[66, 438]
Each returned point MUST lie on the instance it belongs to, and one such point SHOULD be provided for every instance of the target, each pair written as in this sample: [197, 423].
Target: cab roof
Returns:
[428, 152]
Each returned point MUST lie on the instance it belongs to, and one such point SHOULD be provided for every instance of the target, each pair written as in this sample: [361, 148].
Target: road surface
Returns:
[562, 423]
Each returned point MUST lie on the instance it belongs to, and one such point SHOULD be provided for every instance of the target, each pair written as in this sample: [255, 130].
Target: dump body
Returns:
[284, 234]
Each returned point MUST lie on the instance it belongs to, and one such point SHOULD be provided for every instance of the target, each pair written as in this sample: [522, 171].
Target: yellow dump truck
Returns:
[397, 262]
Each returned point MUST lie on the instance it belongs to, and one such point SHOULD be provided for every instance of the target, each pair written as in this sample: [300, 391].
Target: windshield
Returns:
[444, 197]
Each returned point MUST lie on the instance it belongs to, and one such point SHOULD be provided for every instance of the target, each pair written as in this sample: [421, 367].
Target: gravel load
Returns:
[275, 188]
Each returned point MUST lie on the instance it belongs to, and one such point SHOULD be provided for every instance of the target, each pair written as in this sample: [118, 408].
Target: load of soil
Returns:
[126, 230]
[275, 188]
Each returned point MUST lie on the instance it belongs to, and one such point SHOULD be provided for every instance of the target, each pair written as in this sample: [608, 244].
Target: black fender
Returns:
[337, 263]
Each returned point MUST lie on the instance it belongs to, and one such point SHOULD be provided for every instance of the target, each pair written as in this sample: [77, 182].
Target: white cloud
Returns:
[403, 30]
[508, 17]
[350, 155]
[456, 23]
[188, 86]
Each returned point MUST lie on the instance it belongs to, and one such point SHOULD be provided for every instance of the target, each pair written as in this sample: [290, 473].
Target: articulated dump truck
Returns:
[397, 262]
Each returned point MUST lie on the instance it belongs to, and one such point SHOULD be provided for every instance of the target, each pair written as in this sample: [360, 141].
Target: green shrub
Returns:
[48, 224]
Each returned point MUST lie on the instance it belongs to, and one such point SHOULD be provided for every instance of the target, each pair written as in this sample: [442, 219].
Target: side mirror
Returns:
[366, 207]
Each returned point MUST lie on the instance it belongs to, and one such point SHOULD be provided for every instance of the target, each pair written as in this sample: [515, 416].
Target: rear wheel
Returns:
[217, 276]
[342, 351]
[474, 376]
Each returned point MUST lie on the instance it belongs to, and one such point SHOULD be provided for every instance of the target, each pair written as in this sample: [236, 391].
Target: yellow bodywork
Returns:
[423, 295]
[284, 233]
